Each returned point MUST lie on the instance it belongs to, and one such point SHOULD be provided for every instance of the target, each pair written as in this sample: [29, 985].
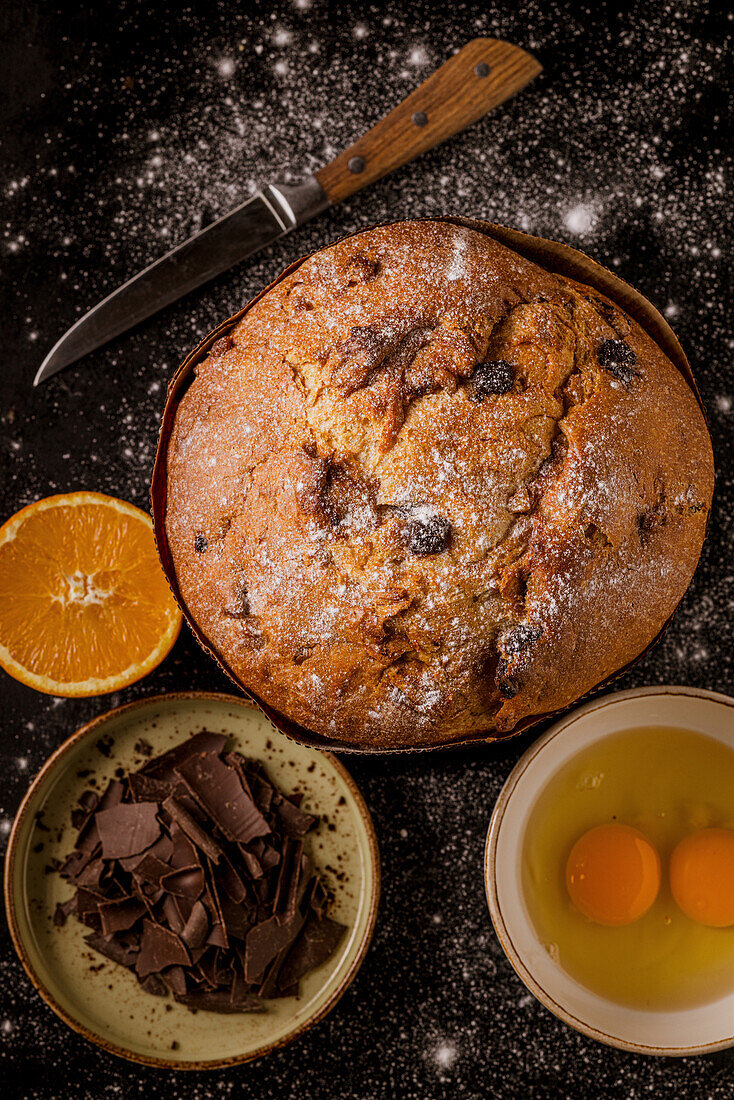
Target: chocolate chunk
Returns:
[201, 544]
[127, 828]
[113, 795]
[505, 685]
[494, 377]
[89, 800]
[238, 919]
[427, 535]
[269, 858]
[218, 935]
[289, 991]
[237, 761]
[361, 269]
[618, 358]
[208, 967]
[262, 794]
[220, 792]
[88, 839]
[519, 638]
[220, 346]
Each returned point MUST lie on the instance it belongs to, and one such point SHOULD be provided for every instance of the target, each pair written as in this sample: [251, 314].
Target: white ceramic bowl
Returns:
[698, 1030]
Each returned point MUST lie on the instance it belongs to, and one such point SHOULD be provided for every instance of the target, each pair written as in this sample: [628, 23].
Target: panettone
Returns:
[427, 489]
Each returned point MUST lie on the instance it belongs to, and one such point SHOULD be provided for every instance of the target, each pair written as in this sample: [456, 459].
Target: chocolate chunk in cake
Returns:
[495, 377]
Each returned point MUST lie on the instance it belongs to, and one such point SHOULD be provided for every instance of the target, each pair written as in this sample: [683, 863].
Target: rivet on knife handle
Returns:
[480, 76]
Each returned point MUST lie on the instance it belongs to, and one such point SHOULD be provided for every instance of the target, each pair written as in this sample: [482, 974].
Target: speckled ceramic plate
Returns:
[697, 1030]
[103, 1001]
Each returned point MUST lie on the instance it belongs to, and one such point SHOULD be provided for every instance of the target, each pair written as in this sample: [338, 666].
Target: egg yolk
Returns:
[702, 876]
[613, 874]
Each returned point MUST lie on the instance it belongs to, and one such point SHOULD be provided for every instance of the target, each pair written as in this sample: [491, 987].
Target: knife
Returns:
[480, 76]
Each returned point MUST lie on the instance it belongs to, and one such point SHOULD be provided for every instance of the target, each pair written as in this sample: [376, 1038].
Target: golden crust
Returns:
[343, 431]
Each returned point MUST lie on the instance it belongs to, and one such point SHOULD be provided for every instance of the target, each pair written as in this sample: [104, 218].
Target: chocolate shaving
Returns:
[160, 850]
[196, 929]
[118, 916]
[319, 940]
[127, 828]
[219, 790]
[144, 788]
[114, 949]
[193, 830]
[191, 872]
[186, 882]
[220, 1001]
[172, 913]
[91, 874]
[296, 822]
[164, 766]
[264, 942]
[231, 881]
[63, 909]
[73, 865]
[112, 796]
[183, 852]
[175, 979]
[159, 948]
[252, 864]
[155, 985]
[151, 869]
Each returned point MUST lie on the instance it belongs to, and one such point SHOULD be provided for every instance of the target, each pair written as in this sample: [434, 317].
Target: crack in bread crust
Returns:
[415, 454]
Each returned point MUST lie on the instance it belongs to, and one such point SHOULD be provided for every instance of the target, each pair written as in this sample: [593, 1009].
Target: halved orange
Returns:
[84, 605]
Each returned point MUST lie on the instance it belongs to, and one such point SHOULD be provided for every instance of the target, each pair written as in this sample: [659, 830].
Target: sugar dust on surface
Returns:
[137, 129]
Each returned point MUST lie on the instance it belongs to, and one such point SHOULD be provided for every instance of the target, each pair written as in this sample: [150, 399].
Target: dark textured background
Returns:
[123, 128]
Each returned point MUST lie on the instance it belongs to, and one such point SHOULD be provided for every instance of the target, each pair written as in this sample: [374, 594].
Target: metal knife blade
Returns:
[264, 218]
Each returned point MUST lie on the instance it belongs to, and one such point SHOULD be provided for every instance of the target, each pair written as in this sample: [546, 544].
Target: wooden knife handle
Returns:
[481, 75]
